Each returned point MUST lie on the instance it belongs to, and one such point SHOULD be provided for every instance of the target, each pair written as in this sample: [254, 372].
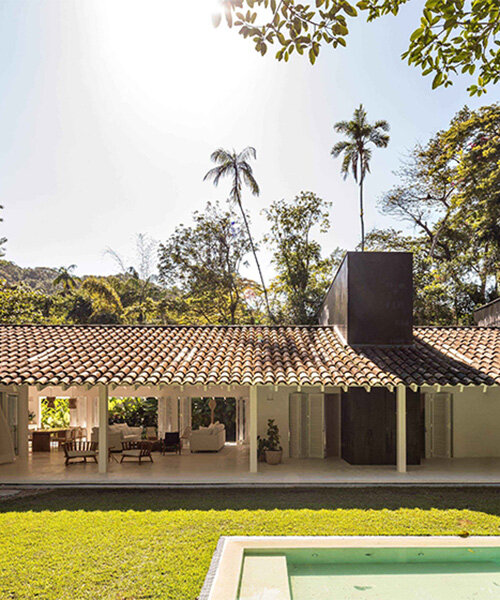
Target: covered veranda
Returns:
[237, 463]
[425, 412]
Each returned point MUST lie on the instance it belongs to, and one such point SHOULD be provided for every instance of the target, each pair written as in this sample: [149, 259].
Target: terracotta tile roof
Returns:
[245, 355]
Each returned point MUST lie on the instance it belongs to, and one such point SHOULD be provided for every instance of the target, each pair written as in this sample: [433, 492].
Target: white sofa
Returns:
[118, 433]
[208, 439]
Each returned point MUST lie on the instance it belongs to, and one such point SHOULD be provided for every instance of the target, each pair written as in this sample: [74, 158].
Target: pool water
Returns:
[371, 574]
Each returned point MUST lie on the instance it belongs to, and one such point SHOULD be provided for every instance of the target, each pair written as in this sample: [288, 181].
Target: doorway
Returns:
[224, 412]
[439, 425]
[369, 427]
[332, 425]
[307, 426]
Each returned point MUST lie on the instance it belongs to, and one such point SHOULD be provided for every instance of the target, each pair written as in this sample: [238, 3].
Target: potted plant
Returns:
[261, 449]
[273, 451]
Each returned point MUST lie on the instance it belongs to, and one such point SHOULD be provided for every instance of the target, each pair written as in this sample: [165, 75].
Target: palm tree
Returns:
[105, 300]
[65, 277]
[357, 153]
[236, 166]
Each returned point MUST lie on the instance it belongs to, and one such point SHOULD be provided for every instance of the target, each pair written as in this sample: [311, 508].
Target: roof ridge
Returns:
[216, 326]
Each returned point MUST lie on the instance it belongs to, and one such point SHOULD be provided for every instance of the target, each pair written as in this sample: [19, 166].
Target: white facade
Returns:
[474, 416]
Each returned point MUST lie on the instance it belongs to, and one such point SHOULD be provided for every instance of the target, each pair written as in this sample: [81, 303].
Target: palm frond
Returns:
[220, 156]
[346, 164]
[340, 147]
[353, 161]
[250, 181]
[218, 173]
[342, 127]
[101, 290]
[365, 166]
[382, 124]
[246, 154]
[380, 140]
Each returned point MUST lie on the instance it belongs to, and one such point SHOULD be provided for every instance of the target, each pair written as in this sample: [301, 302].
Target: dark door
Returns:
[369, 427]
[332, 424]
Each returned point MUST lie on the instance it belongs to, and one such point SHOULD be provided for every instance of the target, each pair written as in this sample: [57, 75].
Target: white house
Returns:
[363, 387]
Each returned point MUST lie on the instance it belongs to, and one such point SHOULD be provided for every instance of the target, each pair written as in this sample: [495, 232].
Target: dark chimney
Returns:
[371, 299]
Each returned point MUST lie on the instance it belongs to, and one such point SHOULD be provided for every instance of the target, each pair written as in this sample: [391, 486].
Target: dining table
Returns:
[41, 438]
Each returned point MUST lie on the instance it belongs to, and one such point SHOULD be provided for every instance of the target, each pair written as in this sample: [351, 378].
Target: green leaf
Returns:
[417, 33]
[349, 9]
[437, 81]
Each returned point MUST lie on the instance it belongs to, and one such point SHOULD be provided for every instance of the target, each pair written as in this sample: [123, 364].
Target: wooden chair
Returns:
[77, 433]
[137, 450]
[172, 442]
[63, 436]
[77, 449]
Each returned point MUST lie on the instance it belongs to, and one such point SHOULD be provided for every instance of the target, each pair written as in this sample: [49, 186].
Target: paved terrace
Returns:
[230, 467]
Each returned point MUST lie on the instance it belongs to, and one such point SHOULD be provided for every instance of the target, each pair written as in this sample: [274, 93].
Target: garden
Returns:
[157, 544]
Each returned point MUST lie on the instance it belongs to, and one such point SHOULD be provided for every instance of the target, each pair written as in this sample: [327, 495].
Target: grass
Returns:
[125, 545]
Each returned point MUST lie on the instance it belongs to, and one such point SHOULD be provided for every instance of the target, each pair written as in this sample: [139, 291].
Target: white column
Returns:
[103, 429]
[162, 415]
[22, 421]
[253, 429]
[401, 429]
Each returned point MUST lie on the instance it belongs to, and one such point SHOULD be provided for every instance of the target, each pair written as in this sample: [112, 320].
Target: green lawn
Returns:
[120, 544]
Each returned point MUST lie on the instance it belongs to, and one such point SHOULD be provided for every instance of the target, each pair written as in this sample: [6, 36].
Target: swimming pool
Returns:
[355, 568]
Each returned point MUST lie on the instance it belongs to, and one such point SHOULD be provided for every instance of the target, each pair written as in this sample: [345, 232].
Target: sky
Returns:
[110, 110]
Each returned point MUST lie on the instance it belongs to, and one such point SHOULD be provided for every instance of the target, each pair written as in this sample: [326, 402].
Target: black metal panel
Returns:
[488, 315]
[369, 427]
[334, 308]
[371, 299]
[380, 306]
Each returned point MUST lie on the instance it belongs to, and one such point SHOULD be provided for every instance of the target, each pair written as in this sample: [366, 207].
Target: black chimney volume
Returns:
[371, 299]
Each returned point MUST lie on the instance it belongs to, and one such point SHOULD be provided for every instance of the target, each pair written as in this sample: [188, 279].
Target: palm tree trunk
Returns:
[361, 214]
[256, 261]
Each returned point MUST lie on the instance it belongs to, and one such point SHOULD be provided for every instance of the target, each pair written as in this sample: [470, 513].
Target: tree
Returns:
[237, 167]
[19, 304]
[452, 37]
[203, 262]
[135, 284]
[450, 195]
[66, 278]
[303, 275]
[37, 278]
[357, 152]
[468, 152]
[105, 302]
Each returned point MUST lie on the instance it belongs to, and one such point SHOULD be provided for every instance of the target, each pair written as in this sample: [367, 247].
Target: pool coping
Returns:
[222, 580]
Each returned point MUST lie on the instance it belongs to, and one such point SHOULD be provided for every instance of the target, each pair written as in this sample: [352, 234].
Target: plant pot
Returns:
[273, 457]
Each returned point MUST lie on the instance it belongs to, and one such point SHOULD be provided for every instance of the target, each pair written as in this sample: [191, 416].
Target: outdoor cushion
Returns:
[82, 453]
[132, 452]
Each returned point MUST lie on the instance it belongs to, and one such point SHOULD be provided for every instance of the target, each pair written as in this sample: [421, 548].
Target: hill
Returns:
[36, 278]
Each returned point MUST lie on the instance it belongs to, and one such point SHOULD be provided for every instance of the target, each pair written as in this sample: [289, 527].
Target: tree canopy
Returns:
[302, 274]
[449, 192]
[203, 262]
[453, 37]
[447, 198]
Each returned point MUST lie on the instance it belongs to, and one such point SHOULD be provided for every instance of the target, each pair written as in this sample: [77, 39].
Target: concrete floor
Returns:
[230, 467]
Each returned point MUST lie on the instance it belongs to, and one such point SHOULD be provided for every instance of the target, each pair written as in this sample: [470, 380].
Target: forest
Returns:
[445, 208]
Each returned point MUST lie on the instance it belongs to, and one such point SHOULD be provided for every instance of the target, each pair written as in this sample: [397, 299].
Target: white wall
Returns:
[273, 405]
[34, 406]
[476, 423]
